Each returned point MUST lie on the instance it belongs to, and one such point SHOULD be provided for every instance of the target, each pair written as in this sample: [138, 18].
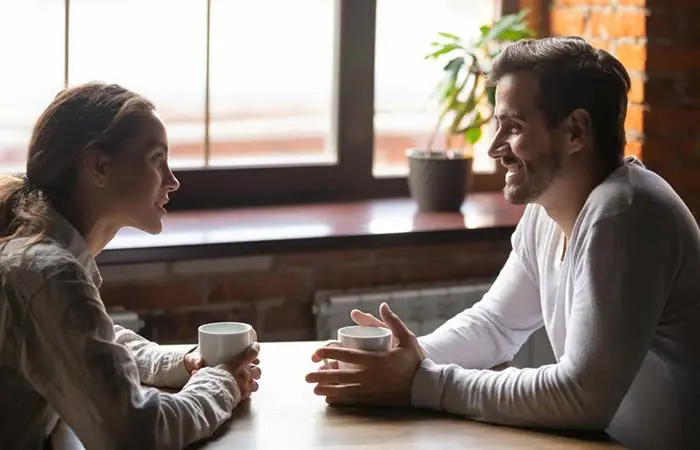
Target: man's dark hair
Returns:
[572, 74]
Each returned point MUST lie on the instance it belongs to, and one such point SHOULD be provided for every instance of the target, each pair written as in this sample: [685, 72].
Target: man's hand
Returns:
[383, 378]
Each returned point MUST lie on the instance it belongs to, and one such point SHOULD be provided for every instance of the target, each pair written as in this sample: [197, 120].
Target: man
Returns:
[606, 257]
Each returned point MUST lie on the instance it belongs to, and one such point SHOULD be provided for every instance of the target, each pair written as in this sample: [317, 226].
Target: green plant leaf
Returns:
[449, 36]
[454, 66]
[447, 48]
[473, 135]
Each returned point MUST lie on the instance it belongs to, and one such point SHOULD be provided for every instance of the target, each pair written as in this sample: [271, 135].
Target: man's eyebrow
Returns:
[510, 115]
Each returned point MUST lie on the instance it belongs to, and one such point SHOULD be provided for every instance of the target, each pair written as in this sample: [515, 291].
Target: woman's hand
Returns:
[246, 371]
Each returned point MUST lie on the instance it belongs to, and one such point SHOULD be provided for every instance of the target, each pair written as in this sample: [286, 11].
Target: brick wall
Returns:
[659, 43]
[275, 292]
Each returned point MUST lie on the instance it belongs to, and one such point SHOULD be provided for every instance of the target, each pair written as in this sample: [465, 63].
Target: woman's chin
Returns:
[151, 225]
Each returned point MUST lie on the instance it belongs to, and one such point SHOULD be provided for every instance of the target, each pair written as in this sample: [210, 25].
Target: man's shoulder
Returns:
[633, 192]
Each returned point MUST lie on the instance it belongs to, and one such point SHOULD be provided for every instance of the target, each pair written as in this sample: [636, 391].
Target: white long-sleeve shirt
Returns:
[62, 358]
[621, 307]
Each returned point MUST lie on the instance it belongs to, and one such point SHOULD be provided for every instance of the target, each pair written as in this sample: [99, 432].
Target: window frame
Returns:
[349, 179]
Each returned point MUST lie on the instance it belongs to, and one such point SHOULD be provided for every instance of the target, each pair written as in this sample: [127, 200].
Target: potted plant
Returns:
[438, 177]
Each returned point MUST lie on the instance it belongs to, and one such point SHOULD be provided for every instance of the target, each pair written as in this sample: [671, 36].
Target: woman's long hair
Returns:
[88, 117]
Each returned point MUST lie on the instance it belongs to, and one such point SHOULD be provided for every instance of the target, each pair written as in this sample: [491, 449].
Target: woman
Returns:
[98, 161]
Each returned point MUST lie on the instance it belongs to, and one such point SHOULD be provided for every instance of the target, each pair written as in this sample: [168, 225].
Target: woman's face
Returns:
[139, 180]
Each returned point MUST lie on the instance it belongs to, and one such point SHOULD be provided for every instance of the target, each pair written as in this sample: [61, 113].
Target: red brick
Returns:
[565, 21]
[692, 88]
[246, 286]
[580, 2]
[430, 271]
[663, 23]
[354, 276]
[441, 251]
[322, 258]
[634, 122]
[658, 90]
[181, 326]
[634, 148]
[141, 297]
[636, 94]
[670, 3]
[288, 316]
[632, 56]
[672, 58]
[684, 179]
[617, 23]
[669, 120]
[669, 151]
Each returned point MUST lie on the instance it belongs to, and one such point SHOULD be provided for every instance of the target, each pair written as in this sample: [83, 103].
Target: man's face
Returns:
[523, 144]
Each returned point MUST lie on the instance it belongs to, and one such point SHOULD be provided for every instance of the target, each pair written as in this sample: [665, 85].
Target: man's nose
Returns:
[497, 149]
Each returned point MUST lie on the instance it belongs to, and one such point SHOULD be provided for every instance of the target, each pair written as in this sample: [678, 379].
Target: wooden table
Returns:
[285, 414]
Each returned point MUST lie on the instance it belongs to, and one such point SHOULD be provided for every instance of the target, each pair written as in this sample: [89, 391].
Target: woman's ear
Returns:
[97, 165]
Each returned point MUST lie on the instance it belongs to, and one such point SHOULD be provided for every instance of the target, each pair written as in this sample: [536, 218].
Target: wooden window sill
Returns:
[191, 235]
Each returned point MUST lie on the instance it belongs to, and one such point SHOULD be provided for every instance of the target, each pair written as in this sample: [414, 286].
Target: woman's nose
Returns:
[171, 182]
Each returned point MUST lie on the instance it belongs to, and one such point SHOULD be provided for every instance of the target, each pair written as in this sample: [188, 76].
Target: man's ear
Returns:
[97, 164]
[578, 130]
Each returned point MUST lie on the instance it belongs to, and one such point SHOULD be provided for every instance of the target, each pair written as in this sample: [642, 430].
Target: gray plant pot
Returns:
[438, 180]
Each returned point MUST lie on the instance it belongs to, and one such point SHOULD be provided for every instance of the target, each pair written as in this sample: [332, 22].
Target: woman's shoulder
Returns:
[20, 257]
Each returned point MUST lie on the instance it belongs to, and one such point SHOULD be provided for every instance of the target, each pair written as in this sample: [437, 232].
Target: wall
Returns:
[275, 292]
[659, 43]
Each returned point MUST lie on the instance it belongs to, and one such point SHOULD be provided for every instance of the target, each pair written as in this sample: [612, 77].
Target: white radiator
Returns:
[422, 308]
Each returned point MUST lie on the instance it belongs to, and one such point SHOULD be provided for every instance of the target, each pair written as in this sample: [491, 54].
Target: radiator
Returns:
[422, 308]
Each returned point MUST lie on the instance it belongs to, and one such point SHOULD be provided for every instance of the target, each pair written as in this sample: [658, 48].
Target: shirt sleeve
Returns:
[623, 275]
[157, 366]
[69, 354]
[493, 330]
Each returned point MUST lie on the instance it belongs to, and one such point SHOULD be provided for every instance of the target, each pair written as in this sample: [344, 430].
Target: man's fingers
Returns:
[350, 376]
[400, 330]
[365, 319]
[255, 372]
[315, 358]
[347, 355]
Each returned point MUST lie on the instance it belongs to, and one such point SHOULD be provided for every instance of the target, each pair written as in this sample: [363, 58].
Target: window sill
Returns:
[330, 226]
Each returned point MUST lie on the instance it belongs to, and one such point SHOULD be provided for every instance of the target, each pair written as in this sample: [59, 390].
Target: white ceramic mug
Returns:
[369, 339]
[220, 342]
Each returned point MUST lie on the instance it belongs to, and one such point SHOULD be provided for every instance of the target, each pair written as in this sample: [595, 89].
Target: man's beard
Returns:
[539, 175]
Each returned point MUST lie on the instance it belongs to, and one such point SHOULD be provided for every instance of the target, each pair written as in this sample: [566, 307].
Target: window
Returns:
[31, 71]
[404, 114]
[160, 55]
[269, 101]
[271, 82]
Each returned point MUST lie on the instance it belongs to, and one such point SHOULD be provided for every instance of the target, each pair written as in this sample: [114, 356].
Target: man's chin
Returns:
[515, 195]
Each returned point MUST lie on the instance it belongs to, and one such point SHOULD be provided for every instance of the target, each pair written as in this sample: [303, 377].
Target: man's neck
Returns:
[569, 193]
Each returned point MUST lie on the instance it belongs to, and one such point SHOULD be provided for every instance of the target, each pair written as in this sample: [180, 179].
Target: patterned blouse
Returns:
[63, 361]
